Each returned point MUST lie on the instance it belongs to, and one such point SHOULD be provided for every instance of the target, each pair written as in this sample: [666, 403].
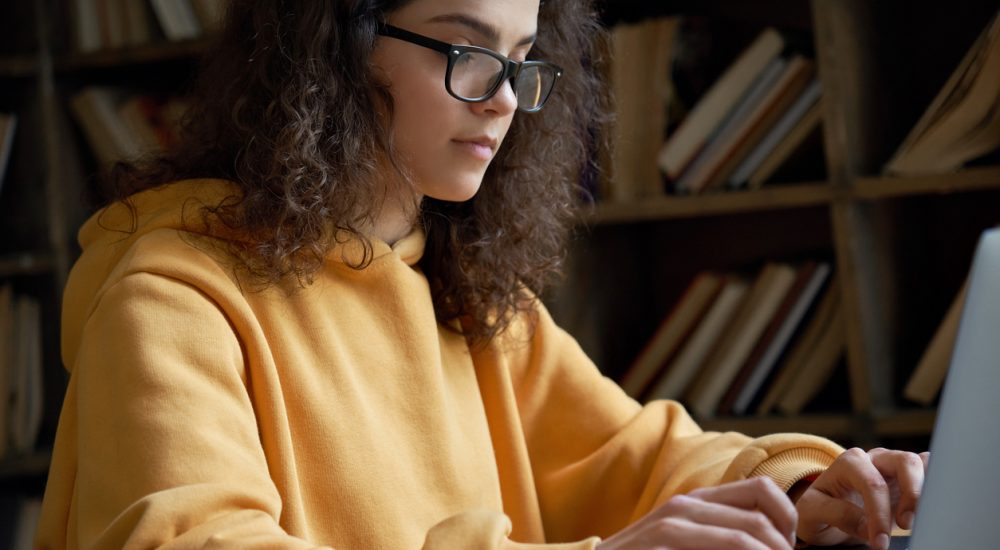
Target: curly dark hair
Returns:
[288, 107]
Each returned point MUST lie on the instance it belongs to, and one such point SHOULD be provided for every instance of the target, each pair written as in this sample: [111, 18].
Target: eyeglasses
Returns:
[475, 74]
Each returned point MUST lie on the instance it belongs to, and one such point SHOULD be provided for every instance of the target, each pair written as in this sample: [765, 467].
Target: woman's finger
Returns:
[685, 534]
[825, 520]
[758, 493]
[853, 470]
[754, 522]
[908, 471]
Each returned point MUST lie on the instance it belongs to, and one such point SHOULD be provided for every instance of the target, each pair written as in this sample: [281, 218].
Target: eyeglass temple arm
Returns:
[395, 32]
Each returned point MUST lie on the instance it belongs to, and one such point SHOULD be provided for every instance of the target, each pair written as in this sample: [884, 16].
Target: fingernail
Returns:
[881, 542]
[906, 522]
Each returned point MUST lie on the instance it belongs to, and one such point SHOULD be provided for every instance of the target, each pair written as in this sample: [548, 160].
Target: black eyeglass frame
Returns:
[511, 68]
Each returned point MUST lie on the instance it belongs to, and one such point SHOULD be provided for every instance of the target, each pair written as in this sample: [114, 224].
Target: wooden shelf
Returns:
[901, 423]
[906, 423]
[791, 196]
[971, 179]
[668, 207]
[827, 425]
[18, 66]
[133, 55]
[25, 263]
[35, 464]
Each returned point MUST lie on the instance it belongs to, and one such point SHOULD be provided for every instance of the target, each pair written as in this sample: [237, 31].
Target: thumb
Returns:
[825, 520]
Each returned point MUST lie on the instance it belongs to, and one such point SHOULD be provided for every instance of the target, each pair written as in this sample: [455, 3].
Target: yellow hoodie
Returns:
[200, 415]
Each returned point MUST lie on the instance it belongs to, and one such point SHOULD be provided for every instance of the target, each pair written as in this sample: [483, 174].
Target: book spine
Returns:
[781, 339]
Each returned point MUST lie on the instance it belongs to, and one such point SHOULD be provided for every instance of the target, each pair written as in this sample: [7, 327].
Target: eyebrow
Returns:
[487, 30]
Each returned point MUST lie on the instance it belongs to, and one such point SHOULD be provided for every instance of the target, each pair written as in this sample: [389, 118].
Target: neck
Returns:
[396, 218]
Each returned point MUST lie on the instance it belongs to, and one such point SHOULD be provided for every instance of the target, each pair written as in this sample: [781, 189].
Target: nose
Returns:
[503, 102]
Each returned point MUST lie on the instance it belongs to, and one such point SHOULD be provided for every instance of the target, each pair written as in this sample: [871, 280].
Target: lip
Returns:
[482, 146]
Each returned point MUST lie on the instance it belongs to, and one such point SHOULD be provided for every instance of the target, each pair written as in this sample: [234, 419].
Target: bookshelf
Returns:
[983, 178]
[660, 208]
[34, 255]
[630, 260]
[120, 59]
[900, 244]
[48, 189]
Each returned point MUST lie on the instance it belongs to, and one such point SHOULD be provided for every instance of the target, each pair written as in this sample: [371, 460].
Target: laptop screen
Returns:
[958, 506]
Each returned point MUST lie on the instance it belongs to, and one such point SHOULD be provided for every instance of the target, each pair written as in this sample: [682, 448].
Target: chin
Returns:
[459, 191]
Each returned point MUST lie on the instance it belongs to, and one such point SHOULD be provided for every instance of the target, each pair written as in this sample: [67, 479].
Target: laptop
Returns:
[962, 489]
[958, 506]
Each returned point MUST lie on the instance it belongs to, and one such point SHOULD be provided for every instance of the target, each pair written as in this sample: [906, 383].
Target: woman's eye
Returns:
[519, 55]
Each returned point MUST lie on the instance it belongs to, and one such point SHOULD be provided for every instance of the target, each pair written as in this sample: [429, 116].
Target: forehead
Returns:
[512, 18]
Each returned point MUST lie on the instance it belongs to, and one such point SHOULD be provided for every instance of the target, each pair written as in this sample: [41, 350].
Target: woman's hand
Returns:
[750, 514]
[859, 496]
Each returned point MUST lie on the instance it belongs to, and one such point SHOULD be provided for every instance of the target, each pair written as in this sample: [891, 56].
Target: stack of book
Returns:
[112, 24]
[120, 125]
[735, 345]
[749, 122]
[640, 78]
[18, 521]
[961, 124]
[20, 372]
[963, 121]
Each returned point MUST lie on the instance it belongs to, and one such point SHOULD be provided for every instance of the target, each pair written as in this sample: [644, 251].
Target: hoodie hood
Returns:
[110, 237]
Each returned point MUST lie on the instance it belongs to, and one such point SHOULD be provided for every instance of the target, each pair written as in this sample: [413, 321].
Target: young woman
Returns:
[314, 324]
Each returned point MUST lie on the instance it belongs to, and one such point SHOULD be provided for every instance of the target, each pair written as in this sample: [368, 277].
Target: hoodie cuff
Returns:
[790, 466]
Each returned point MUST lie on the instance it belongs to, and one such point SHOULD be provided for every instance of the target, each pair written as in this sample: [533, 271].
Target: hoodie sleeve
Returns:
[599, 460]
[157, 441]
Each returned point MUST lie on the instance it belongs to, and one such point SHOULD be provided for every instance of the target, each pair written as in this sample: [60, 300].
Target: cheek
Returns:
[415, 113]
[421, 109]
[415, 86]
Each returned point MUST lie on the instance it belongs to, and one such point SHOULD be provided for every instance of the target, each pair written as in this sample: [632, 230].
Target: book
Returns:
[96, 109]
[764, 118]
[963, 121]
[769, 288]
[640, 75]
[694, 131]
[177, 18]
[111, 18]
[798, 355]
[818, 368]
[928, 377]
[119, 125]
[669, 336]
[25, 376]
[807, 126]
[7, 359]
[678, 374]
[720, 157]
[210, 14]
[8, 124]
[808, 282]
[86, 25]
[769, 142]
[28, 514]
[754, 95]
[138, 114]
[138, 22]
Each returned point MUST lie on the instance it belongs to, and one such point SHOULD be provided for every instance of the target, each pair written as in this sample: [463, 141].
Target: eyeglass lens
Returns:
[532, 86]
[474, 74]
